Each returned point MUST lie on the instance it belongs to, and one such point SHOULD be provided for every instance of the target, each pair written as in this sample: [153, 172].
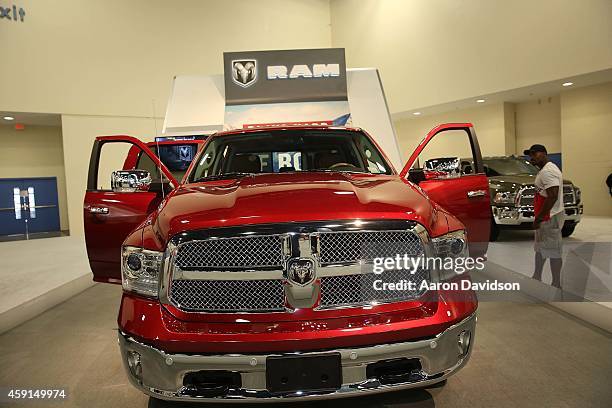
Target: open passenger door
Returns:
[112, 211]
[462, 191]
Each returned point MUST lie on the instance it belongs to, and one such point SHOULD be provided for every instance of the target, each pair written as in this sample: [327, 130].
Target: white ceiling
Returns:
[32, 119]
[524, 94]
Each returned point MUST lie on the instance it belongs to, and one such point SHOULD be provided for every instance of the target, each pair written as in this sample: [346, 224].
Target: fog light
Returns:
[133, 360]
[463, 342]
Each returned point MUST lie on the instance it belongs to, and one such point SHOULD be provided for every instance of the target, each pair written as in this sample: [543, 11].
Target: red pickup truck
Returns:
[250, 279]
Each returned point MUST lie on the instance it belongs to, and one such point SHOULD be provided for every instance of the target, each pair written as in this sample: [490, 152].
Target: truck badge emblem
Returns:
[301, 271]
[244, 72]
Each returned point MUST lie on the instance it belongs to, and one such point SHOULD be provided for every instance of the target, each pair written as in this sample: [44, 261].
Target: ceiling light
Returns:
[480, 100]
[8, 118]
[416, 113]
[567, 84]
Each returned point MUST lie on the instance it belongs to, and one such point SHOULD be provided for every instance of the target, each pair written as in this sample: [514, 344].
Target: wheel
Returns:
[568, 229]
[494, 231]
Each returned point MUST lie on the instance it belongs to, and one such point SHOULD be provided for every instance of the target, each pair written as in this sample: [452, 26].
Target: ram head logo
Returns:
[301, 271]
[244, 72]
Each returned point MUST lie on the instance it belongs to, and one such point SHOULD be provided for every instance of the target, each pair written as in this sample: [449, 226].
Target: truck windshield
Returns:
[508, 166]
[292, 150]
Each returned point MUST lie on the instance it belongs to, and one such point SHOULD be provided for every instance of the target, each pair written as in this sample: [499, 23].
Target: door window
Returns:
[441, 153]
[112, 158]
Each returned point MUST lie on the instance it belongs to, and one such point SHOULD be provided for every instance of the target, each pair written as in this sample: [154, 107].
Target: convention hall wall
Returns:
[107, 67]
[586, 115]
[461, 49]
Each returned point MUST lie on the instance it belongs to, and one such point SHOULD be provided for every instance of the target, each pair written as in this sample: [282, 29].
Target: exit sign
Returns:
[12, 13]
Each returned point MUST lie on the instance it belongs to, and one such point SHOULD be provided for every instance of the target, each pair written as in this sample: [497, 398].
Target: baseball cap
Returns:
[535, 148]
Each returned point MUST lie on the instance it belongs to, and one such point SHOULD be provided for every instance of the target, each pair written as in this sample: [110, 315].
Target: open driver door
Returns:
[114, 206]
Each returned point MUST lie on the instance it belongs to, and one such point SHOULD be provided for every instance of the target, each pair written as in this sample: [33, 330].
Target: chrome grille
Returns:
[230, 253]
[348, 290]
[527, 195]
[353, 246]
[228, 296]
[201, 263]
[569, 198]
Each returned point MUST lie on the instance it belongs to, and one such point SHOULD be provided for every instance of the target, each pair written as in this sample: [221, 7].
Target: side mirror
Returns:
[443, 168]
[416, 175]
[130, 181]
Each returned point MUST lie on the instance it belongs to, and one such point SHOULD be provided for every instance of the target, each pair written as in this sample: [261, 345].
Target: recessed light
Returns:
[567, 84]
[480, 100]
[416, 113]
[8, 118]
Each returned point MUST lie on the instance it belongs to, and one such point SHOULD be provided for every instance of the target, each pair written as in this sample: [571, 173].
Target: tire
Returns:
[568, 229]
[494, 232]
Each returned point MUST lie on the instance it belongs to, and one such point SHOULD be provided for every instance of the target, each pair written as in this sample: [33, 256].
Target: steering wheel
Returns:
[337, 165]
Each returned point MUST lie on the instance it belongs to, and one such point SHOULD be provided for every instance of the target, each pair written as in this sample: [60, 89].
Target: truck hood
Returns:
[289, 197]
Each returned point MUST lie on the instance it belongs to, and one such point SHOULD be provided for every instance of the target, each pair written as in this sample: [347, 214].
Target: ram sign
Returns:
[257, 77]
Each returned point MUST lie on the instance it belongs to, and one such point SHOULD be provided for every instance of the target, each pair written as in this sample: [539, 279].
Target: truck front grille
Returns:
[213, 285]
[228, 295]
[528, 194]
[346, 247]
[229, 253]
[347, 290]
[569, 198]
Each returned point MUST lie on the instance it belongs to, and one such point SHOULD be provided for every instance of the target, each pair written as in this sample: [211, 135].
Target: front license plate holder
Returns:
[312, 372]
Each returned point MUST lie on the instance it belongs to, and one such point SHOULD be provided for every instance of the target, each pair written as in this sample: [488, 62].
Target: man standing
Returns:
[549, 214]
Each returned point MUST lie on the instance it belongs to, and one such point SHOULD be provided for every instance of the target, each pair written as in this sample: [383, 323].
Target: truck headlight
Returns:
[454, 245]
[504, 197]
[450, 252]
[578, 194]
[140, 270]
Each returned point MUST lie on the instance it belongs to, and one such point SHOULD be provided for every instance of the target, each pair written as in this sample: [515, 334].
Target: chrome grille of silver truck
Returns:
[569, 198]
[246, 273]
[527, 195]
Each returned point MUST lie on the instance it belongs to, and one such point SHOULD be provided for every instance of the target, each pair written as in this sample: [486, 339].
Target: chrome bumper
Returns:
[161, 374]
[504, 215]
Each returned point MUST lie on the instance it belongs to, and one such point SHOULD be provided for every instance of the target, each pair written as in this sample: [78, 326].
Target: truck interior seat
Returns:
[324, 160]
[245, 163]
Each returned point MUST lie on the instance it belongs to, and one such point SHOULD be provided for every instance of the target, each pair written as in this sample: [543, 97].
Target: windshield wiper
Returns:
[223, 176]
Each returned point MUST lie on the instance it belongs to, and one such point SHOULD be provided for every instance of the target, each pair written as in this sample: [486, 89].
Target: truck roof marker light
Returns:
[567, 84]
